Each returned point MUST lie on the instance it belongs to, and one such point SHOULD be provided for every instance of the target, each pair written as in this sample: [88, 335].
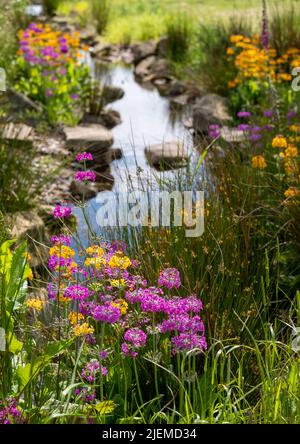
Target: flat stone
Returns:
[88, 137]
[17, 131]
[167, 155]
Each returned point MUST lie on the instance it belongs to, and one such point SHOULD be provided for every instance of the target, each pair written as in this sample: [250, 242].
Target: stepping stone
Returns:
[167, 155]
[92, 138]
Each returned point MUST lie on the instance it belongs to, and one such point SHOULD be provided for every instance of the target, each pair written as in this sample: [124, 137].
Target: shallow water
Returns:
[146, 120]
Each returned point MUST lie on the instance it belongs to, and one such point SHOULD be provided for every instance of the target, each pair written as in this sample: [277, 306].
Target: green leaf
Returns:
[26, 374]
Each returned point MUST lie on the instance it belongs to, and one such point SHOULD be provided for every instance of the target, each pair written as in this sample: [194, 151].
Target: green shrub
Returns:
[178, 33]
[100, 14]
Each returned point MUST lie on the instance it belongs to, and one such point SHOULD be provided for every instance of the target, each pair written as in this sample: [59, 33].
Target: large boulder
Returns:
[168, 155]
[111, 93]
[152, 68]
[142, 50]
[208, 110]
[28, 226]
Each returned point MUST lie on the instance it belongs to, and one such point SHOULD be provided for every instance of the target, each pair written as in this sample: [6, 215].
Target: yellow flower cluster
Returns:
[121, 304]
[62, 251]
[119, 261]
[254, 62]
[83, 329]
[95, 250]
[96, 262]
[35, 304]
[75, 317]
[259, 162]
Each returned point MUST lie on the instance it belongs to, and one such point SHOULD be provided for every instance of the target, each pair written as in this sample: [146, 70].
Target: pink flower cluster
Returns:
[170, 278]
[90, 372]
[61, 240]
[85, 176]
[135, 339]
[84, 156]
[61, 212]
[76, 292]
[10, 413]
[106, 313]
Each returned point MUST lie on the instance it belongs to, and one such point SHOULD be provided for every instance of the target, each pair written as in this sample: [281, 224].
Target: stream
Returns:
[146, 120]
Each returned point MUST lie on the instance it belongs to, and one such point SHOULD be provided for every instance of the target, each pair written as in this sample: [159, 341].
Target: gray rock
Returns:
[143, 69]
[28, 226]
[142, 50]
[105, 181]
[101, 49]
[115, 154]
[108, 118]
[91, 138]
[167, 155]
[19, 100]
[210, 109]
[111, 93]
[177, 88]
[83, 190]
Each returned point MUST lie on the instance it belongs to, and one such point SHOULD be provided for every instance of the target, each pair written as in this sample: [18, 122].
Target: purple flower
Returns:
[74, 96]
[268, 113]
[135, 339]
[59, 212]
[61, 240]
[91, 370]
[244, 127]
[291, 114]
[84, 156]
[188, 341]
[183, 324]
[87, 175]
[103, 354]
[244, 114]
[85, 394]
[10, 412]
[106, 313]
[264, 33]
[76, 292]
[255, 137]
[49, 92]
[170, 278]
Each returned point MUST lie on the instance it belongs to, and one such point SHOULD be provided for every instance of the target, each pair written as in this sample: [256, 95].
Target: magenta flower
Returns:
[135, 339]
[170, 278]
[9, 412]
[82, 176]
[84, 156]
[76, 292]
[106, 313]
[60, 212]
[49, 92]
[61, 240]
[244, 114]
[188, 341]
